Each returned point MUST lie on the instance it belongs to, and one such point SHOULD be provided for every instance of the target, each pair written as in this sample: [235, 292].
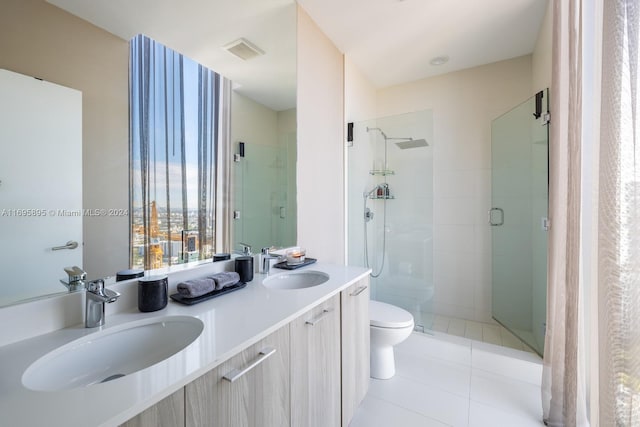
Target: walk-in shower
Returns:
[390, 204]
[382, 191]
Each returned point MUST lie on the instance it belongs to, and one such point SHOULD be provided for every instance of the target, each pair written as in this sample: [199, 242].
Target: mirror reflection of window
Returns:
[175, 131]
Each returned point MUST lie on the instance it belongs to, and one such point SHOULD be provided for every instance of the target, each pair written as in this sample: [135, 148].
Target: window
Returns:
[176, 129]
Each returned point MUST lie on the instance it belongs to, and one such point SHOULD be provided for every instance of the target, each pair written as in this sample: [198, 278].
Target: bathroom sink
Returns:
[111, 354]
[301, 280]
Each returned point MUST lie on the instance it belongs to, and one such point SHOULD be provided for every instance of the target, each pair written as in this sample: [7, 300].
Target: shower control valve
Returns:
[368, 215]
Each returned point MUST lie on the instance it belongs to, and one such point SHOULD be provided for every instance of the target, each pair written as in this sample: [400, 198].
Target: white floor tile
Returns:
[491, 334]
[440, 323]
[449, 380]
[450, 349]
[506, 394]
[485, 416]
[473, 330]
[440, 405]
[456, 327]
[515, 364]
[452, 377]
[374, 412]
[510, 340]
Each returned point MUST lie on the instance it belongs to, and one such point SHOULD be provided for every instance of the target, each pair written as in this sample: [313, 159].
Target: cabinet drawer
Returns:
[249, 390]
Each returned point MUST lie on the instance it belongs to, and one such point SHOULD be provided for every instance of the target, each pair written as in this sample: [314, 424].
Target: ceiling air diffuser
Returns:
[243, 49]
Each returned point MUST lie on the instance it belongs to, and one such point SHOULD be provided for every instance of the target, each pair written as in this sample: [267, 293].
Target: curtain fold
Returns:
[174, 110]
[563, 396]
[619, 217]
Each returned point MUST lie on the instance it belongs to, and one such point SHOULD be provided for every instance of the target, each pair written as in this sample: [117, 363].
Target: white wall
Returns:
[541, 57]
[320, 169]
[359, 105]
[464, 103]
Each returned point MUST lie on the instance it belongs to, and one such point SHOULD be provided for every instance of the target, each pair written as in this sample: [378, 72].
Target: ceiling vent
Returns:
[243, 49]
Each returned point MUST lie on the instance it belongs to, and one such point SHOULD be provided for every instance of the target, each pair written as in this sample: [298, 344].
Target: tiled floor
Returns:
[492, 333]
[445, 380]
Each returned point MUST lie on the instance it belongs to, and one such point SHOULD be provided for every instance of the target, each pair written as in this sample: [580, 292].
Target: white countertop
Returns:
[232, 322]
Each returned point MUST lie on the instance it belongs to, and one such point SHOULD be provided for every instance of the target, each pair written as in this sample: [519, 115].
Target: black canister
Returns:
[152, 293]
[221, 257]
[244, 267]
[128, 274]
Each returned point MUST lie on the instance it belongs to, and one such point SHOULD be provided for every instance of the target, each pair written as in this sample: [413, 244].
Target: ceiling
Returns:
[199, 28]
[392, 41]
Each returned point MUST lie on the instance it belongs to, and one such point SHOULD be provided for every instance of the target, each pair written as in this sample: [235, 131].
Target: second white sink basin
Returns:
[301, 280]
[107, 355]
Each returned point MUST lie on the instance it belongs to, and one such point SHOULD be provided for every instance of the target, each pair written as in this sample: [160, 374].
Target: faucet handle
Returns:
[96, 286]
[106, 295]
[75, 273]
[76, 278]
[246, 249]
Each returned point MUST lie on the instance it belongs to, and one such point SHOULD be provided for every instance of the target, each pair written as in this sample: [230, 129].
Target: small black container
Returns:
[152, 293]
[128, 274]
[244, 267]
[221, 257]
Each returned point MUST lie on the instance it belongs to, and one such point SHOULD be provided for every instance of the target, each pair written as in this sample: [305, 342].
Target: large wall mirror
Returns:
[84, 46]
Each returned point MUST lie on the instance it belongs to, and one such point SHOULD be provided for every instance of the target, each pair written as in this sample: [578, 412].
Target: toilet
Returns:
[389, 325]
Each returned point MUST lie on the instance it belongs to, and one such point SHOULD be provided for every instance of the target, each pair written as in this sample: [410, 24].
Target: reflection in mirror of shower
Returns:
[397, 241]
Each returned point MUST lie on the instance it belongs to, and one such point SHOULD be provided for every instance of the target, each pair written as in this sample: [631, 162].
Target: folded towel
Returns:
[196, 287]
[224, 279]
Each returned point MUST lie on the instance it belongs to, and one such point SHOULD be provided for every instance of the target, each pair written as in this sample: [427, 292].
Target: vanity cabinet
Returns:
[250, 389]
[315, 366]
[169, 412]
[312, 372]
[355, 347]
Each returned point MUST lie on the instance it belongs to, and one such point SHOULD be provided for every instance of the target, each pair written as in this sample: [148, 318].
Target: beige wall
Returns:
[541, 57]
[360, 96]
[463, 103]
[41, 40]
[320, 169]
[252, 122]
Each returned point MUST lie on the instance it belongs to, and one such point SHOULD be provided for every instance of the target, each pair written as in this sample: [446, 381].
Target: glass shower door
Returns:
[518, 219]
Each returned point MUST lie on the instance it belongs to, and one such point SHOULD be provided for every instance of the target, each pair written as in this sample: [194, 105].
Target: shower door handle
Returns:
[495, 224]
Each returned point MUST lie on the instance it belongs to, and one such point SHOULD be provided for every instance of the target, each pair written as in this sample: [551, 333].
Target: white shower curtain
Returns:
[563, 383]
[614, 381]
[619, 217]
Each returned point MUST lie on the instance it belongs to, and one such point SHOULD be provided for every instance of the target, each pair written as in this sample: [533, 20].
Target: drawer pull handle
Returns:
[324, 314]
[264, 354]
[358, 291]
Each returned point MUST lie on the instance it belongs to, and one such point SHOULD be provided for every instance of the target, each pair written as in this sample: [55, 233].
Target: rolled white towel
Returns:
[224, 279]
[196, 287]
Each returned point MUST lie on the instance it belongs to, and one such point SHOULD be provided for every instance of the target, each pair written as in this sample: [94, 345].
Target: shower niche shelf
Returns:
[374, 197]
[381, 172]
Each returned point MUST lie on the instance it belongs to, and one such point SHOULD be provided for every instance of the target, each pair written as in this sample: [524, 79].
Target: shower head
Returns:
[404, 142]
[412, 143]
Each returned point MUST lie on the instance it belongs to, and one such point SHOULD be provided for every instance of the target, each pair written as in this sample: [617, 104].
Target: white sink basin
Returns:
[111, 354]
[301, 280]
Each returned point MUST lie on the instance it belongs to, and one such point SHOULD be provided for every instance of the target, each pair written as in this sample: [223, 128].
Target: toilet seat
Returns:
[384, 315]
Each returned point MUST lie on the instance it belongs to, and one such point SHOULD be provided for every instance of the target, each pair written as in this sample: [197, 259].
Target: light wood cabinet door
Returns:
[355, 347]
[249, 390]
[169, 412]
[315, 366]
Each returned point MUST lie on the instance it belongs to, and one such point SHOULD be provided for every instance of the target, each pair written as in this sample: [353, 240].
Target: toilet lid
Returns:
[388, 316]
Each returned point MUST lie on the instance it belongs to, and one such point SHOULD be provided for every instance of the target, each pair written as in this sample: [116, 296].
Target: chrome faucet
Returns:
[76, 281]
[266, 261]
[96, 298]
[246, 249]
